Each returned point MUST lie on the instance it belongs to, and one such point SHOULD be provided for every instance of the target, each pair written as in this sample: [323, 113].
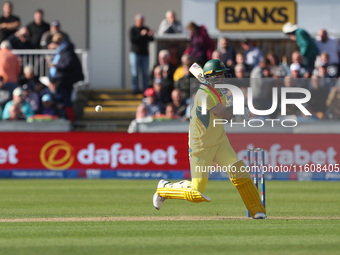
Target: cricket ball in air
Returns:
[99, 108]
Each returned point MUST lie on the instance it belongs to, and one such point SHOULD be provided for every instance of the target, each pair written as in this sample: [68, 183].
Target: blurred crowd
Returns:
[166, 88]
[22, 94]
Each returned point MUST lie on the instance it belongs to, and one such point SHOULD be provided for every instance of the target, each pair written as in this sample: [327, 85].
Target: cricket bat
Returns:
[197, 71]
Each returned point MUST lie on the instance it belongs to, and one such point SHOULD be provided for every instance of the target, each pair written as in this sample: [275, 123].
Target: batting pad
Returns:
[247, 189]
[238, 170]
[183, 194]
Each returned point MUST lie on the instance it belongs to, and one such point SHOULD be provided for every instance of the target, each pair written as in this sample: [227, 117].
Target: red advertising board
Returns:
[148, 151]
[77, 150]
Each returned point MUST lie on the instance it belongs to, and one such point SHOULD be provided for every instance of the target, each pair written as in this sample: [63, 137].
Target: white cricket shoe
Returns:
[157, 199]
[260, 215]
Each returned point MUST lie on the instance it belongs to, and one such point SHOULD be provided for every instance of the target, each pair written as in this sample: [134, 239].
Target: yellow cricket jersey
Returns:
[202, 132]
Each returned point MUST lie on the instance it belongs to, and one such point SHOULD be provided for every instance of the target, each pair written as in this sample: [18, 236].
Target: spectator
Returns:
[183, 84]
[216, 55]
[49, 107]
[170, 24]
[276, 69]
[228, 54]
[161, 94]
[152, 106]
[57, 97]
[46, 38]
[321, 70]
[10, 66]
[170, 111]
[8, 22]
[261, 85]
[158, 77]
[157, 74]
[179, 72]
[141, 117]
[295, 70]
[240, 71]
[174, 54]
[325, 58]
[297, 58]
[306, 44]
[178, 102]
[140, 36]
[288, 81]
[284, 65]
[329, 45]
[141, 112]
[333, 102]
[253, 55]
[20, 40]
[291, 109]
[19, 101]
[240, 59]
[200, 46]
[37, 28]
[65, 70]
[317, 103]
[164, 62]
[167, 68]
[325, 80]
[240, 74]
[40, 89]
[28, 77]
[296, 79]
[331, 70]
[31, 97]
[15, 113]
[5, 94]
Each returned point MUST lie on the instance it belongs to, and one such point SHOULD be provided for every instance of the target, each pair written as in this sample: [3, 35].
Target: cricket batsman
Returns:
[208, 144]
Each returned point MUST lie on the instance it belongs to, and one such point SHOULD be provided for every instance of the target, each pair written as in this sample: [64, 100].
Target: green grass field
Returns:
[117, 217]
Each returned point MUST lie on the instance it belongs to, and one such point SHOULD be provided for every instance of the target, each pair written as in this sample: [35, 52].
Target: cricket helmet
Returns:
[214, 66]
